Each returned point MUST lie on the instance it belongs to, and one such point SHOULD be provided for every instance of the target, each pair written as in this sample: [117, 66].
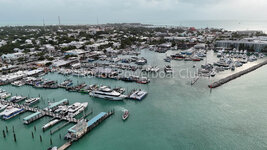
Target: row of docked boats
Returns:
[137, 79]
[227, 61]
[114, 74]
[93, 90]
[152, 69]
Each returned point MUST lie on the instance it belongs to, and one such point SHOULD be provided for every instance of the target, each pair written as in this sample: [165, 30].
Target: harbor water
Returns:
[174, 115]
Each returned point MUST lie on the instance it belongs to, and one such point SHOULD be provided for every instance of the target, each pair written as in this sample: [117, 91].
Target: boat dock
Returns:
[81, 128]
[236, 75]
[65, 124]
[41, 112]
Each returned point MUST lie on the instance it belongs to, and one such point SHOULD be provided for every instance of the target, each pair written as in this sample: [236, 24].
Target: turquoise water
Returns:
[174, 115]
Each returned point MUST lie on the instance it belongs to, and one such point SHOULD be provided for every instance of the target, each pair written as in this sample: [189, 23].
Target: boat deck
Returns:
[138, 95]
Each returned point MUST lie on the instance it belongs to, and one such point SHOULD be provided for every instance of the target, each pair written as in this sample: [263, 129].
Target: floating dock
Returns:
[29, 119]
[236, 75]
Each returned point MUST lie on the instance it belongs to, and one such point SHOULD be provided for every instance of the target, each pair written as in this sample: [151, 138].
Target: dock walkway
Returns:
[65, 146]
[236, 75]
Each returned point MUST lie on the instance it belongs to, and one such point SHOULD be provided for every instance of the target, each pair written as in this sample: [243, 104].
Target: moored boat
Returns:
[32, 101]
[107, 93]
[10, 112]
[16, 99]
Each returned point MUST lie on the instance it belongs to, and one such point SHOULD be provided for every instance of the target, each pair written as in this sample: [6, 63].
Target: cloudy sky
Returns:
[145, 11]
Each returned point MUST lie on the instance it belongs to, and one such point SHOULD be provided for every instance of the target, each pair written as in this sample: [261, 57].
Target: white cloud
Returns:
[165, 11]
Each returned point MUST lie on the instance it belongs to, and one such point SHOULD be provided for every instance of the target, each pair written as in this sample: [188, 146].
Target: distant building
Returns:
[75, 52]
[12, 56]
[249, 32]
[243, 44]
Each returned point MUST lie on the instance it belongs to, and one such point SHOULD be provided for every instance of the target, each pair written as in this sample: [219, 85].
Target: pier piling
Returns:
[41, 138]
[6, 129]
[51, 142]
[32, 135]
[4, 134]
[15, 139]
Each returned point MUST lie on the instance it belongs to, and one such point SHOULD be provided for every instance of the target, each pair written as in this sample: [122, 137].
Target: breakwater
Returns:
[236, 75]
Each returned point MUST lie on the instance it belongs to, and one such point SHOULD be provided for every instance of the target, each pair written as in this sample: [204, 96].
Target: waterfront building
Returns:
[243, 44]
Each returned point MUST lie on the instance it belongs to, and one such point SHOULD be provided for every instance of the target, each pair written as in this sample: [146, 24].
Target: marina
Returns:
[61, 84]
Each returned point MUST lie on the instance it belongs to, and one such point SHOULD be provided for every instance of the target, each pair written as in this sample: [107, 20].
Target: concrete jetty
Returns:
[236, 75]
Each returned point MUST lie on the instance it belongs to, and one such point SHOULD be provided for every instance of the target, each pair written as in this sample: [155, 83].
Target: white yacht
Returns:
[31, 101]
[16, 99]
[107, 93]
[76, 108]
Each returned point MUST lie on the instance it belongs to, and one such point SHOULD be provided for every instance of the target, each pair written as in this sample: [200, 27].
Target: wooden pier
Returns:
[236, 75]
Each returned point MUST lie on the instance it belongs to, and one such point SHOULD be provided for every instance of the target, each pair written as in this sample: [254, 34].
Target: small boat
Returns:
[125, 115]
[167, 59]
[168, 69]
[213, 73]
[2, 107]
